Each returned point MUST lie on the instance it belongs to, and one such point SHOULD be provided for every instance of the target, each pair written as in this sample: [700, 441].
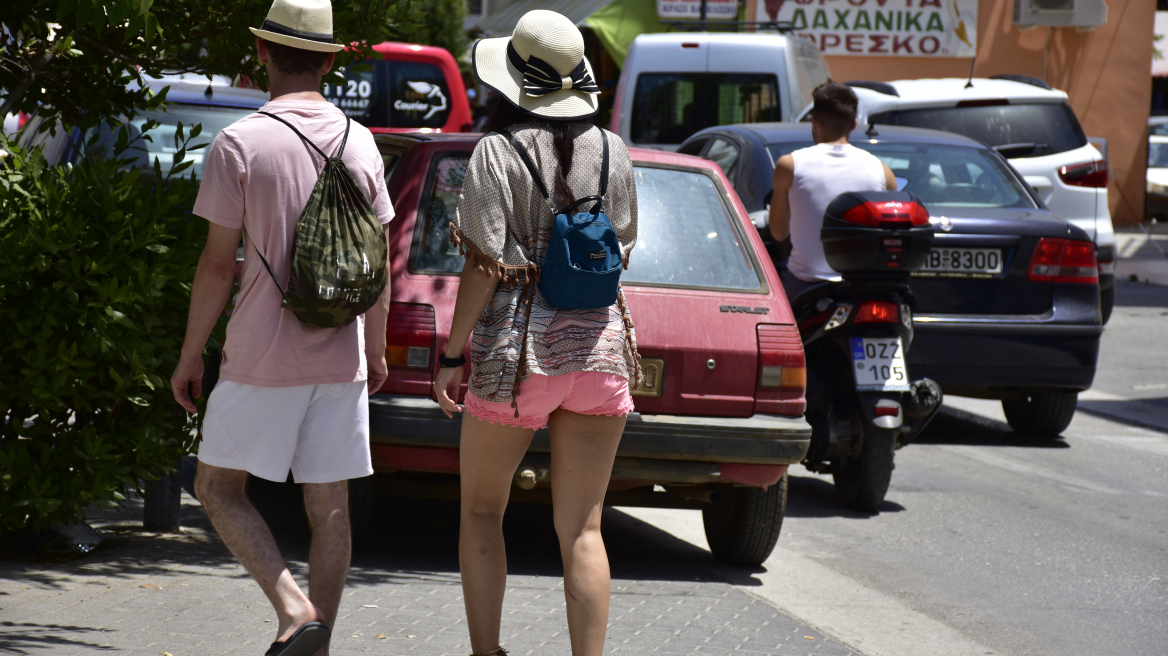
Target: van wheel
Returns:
[1106, 302]
[862, 482]
[743, 526]
[362, 496]
[1042, 413]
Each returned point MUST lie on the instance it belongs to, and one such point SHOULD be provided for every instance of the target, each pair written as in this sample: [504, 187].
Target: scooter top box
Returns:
[876, 233]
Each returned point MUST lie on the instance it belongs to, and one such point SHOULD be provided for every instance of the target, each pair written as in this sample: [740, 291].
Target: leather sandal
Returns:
[497, 651]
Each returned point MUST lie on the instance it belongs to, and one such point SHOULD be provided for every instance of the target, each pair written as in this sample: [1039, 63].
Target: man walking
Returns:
[290, 397]
[807, 180]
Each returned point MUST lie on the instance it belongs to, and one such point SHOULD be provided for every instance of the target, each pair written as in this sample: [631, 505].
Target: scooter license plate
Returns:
[879, 364]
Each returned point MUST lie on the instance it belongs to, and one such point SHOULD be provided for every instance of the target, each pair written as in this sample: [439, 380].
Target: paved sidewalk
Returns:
[183, 594]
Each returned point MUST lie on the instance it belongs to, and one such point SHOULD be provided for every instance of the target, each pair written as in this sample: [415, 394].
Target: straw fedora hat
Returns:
[540, 68]
[304, 24]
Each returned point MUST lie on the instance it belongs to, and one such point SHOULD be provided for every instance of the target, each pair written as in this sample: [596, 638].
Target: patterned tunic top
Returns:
[503, 225]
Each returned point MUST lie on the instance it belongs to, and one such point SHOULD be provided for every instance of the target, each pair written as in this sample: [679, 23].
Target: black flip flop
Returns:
[310, 637]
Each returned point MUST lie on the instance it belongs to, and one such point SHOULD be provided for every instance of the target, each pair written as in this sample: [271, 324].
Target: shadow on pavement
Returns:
[958, 427]
[1140, 294]
[814, 497]
[27, 638]
[412, 536]
[1149, 413]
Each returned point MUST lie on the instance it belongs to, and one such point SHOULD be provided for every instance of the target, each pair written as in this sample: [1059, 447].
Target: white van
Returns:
[675, 84]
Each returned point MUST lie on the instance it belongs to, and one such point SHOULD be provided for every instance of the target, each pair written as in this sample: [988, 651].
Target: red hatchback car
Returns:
[720, 416]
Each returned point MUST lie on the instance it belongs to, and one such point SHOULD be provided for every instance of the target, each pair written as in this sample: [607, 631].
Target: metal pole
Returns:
[703, 15]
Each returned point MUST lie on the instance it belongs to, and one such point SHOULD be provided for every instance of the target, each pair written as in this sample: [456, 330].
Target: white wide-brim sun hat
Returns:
[304, 24]
[540, 68]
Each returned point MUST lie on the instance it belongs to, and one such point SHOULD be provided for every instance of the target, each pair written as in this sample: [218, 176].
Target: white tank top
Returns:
[823, 172]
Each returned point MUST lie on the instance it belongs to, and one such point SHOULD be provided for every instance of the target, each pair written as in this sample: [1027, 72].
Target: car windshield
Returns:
[161, 143]
[1032, 130]
[1158, 155]
[686, 231]
[669, 107]
[943, 176]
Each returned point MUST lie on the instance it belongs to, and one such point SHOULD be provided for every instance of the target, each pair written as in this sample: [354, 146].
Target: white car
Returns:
[1027, 122]
[1156, 201]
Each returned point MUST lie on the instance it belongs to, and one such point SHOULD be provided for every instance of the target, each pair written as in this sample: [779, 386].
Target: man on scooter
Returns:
[810, 178]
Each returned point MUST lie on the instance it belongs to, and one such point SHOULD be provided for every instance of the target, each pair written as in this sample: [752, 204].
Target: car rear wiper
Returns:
[1021, 148]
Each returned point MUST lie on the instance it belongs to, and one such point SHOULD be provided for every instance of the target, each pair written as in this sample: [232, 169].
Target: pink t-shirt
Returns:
[258, 177]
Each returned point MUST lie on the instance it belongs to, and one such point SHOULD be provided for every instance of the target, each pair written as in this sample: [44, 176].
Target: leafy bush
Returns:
[95, 268]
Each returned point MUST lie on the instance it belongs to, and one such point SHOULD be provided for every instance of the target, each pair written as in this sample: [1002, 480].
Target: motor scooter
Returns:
[861, 401]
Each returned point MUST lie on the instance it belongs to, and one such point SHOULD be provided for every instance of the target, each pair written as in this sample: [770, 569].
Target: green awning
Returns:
[619, 22]
[502, 22]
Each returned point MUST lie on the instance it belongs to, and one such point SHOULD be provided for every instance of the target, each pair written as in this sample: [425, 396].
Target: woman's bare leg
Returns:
[489, 455]
[583, 450]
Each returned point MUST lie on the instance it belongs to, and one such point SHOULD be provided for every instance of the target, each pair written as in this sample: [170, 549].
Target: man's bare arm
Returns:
[214, 277]
[376, 318]
[780, 218]
[889, 178]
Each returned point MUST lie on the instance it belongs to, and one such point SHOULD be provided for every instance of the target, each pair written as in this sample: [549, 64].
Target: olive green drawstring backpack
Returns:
[338, 251]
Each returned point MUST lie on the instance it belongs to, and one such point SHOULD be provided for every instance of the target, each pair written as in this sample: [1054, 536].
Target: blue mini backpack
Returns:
[583, 264]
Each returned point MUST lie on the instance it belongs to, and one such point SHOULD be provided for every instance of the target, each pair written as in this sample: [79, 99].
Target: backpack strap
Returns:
[543, 189]
[340, 151]
[530, 167]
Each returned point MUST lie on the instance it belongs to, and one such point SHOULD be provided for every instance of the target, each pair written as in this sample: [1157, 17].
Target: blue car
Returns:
[1008, 305]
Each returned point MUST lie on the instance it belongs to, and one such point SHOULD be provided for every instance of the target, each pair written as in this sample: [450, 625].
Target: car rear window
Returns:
[687, 234]
[432, 251]
[393, 94]
[1049, 127]
[952, 176]
[1158, 129]
[669, 107]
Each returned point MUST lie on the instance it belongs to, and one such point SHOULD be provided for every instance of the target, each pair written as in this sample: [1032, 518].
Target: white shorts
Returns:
[320, 432]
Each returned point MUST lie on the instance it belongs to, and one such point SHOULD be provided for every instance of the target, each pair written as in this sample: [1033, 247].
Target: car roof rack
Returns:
[710, 25]
[871, 85]
[1024, 79]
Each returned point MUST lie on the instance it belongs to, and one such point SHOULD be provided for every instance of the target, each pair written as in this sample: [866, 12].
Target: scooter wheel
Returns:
[862, 482]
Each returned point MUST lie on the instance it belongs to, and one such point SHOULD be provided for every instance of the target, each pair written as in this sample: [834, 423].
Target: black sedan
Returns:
[1008, 305]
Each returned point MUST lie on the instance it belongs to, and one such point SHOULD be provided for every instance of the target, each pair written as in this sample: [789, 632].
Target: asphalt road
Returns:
[996, 543]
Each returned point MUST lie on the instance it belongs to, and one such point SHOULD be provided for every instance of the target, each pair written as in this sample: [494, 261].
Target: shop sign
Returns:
[902, 28]
[687, 9]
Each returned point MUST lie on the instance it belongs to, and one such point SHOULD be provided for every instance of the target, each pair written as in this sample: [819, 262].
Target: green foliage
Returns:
[53, 51]
[96, 261]
[442, 27]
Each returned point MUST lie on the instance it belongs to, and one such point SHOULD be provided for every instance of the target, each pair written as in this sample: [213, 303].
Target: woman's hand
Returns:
[446, 389]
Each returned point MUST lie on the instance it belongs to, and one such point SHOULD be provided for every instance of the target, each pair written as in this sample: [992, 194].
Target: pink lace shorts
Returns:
[582, 392]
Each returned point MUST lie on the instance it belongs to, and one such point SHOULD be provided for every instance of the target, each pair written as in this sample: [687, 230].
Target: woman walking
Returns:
[533, 364]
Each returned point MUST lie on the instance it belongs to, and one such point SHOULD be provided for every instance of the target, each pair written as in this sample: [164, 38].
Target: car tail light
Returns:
[409, 336]
[1092, 174]
[781, 361]
[875, 213]
[877, 312]
[1064, 261]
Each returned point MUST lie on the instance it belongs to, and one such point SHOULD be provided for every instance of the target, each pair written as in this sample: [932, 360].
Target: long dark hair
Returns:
[504, 114]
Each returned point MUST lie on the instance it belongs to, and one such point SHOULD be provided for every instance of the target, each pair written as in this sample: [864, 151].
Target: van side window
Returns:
[362, 96]
[669, 107]
[419, 96]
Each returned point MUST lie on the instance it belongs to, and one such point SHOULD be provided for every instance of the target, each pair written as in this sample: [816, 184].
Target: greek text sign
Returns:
[687, 9]
[903, 28]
